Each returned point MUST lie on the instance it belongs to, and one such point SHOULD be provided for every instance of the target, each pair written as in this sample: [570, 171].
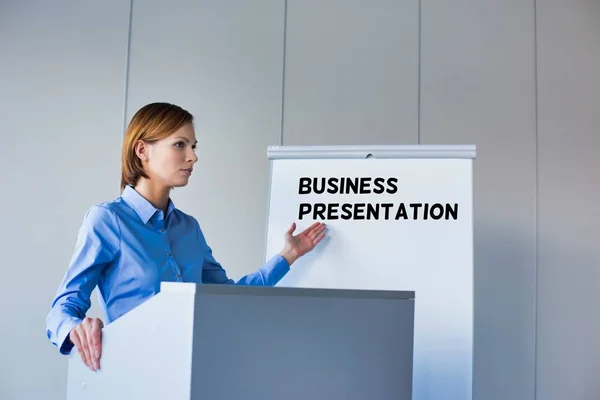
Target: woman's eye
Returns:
[178, 144]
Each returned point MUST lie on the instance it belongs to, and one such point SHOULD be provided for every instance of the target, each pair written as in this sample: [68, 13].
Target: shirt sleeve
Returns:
[267, 275]
[98, 243]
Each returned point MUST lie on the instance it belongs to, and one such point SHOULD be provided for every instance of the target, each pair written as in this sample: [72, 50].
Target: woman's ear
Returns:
[141, 150]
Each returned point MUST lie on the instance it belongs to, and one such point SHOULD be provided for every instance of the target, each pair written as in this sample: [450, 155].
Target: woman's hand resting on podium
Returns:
[87, 338]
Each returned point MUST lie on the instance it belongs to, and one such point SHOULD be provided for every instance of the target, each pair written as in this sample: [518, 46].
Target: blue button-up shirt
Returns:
[127, 247]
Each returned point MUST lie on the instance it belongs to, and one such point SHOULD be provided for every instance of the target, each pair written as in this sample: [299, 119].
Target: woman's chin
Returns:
[180, 182]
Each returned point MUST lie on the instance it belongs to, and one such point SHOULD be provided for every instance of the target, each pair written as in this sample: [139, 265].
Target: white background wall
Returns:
[517, 78]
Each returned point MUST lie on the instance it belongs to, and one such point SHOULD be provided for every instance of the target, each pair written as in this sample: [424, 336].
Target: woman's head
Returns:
[159, 145]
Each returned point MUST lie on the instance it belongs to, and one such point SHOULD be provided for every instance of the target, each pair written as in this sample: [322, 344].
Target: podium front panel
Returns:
[253, 343]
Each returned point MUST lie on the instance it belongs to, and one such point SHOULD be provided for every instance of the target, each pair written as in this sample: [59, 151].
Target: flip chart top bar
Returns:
[374, 151]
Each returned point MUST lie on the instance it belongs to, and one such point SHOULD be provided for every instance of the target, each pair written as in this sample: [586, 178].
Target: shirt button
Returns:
[169, 253]
[162, 230]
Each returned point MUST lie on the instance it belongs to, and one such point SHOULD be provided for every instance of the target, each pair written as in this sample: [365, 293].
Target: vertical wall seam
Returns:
[283, 72]
[127, 58]
[536, 215]
[419, 75]
[126, 80]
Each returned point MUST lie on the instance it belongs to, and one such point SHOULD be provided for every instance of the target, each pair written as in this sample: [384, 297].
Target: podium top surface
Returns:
[284, 291]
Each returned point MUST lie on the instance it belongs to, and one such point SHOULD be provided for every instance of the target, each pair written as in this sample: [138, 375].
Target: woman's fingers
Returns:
[96, 341]
[316, 230]
[319, 238]
[89, 333]
[83, 348]
[87, 338]
[76, 339]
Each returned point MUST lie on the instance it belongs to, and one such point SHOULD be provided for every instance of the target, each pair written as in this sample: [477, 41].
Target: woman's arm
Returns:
[267, 275]
[274, 269]
[98, 243]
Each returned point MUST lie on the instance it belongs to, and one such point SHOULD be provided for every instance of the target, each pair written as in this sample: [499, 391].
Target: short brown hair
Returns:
[152, 122]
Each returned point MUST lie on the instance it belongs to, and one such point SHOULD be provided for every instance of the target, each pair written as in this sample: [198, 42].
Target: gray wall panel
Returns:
[351, 72]
[568, 355]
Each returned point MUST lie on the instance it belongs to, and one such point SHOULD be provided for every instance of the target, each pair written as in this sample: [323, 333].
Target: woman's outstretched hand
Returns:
[298, 245]
[87, 338]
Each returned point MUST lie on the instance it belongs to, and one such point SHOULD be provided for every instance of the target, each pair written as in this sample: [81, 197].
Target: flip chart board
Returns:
[398, 218]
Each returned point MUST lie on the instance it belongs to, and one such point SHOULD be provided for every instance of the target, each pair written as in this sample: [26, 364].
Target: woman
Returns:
[129, 245]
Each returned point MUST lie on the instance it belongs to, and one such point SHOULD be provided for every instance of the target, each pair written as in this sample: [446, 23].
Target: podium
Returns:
[228, 342]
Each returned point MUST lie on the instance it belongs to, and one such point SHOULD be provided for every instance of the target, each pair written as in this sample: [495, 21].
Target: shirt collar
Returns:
[143, 208]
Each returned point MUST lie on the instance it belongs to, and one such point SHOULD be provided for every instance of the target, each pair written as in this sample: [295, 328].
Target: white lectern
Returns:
[225, 342]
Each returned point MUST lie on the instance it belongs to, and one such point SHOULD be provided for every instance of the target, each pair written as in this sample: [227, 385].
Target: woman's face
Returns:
[170, 161]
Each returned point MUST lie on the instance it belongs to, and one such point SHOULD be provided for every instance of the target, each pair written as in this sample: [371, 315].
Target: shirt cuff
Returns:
[275, 269]
[62, 337]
